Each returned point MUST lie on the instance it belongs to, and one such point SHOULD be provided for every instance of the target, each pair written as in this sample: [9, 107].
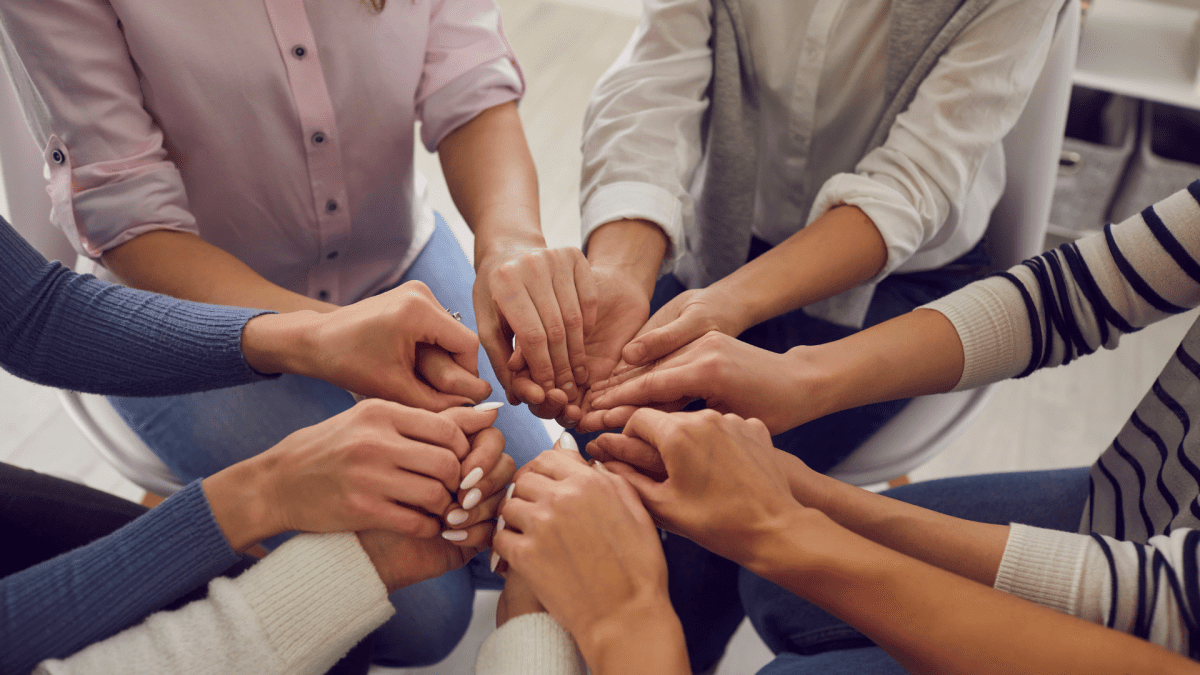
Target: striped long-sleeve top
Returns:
[1133, 566]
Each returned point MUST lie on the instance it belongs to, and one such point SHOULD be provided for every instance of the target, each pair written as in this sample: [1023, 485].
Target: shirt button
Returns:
[299, 51]
[332, 255]
[58, 157]
[318, 138]
[322, 295]
[331, 206]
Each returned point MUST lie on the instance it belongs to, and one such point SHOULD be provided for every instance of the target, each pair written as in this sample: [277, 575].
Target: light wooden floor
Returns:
[1063, 417]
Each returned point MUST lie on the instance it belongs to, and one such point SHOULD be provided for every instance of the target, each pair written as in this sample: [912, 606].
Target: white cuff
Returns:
[993, 324]
[530, 643]
[1043, 566]
[316, 596]
[897, 221]
[629, 199]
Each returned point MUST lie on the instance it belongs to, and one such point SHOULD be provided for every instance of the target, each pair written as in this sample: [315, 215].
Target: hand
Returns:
[546, 299]
[730, 375]
[378, 465]
[686, 318]
[584, 543]
[376, 348]
[723, 484]
[622, 309]
[402, 560]
[516, 599]
[486, 473]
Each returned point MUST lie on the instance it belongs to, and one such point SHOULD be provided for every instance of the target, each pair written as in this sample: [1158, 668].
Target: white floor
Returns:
[1063, 417]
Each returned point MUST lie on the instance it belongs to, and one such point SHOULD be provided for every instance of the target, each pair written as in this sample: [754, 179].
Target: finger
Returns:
[589, 302]
[526, 321]
[479, 538]
[571, 310]
[632, 451]
[472, 419]
[445, 375]
[425, 460]
[570, 416]
[487, 453]
[457, 517]
[649, 490]
[661, 341]
[544, 290]
[516, 362]
[497, 343]
[524, 389]
[439, 327]
[403, 520]
[422, 425]
[651, 426]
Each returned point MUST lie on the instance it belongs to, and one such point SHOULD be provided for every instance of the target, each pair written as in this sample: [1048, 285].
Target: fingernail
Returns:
[454, 535]
[457, 517]
[637, 352]
[511, 487]
[472, 498]
[471, 479]
[569, 389]
[567, 442]
[548, 385]
[500, 524]
[581, 374]
[601, 468]
[495, 560]
[489, 406]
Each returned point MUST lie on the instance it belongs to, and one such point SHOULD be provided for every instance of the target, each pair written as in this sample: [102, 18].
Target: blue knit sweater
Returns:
[66, 330]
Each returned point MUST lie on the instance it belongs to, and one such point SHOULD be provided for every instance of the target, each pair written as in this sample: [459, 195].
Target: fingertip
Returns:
[633, 353]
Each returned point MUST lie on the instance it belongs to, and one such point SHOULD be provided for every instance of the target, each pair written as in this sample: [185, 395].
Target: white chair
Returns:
[1016, 232]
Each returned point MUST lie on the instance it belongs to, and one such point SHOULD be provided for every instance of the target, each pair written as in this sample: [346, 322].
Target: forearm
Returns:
[913, 354]
[492, 180]
[836, 252]
[185, 266]
[645, 639]
[933, 621]
[57, 607]
[636, 247]
[966, 548]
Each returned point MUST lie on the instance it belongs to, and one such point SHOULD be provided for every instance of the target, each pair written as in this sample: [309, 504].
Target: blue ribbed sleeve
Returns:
[56, 608]
[70, 331]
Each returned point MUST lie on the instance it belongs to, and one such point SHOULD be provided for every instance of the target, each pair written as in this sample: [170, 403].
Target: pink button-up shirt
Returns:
[281, 131]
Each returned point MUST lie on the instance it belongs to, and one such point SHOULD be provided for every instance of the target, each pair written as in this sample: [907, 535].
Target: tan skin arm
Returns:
[185, 266]
[933, 621]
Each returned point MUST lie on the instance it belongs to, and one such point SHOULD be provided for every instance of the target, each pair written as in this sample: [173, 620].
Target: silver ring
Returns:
[454, 315]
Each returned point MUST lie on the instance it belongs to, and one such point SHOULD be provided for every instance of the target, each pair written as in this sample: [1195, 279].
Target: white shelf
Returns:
[1147, 49]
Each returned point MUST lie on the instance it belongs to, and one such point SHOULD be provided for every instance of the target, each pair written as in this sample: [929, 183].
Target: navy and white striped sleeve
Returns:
[1084, 295]
[1150, 591]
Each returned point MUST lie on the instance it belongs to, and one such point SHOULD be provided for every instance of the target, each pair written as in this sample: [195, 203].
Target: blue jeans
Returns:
[199, 434]
[809, 640]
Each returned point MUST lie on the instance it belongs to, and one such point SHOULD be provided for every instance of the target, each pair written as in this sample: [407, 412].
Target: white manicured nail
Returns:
[488, 406]
[454, 535]
[471, 479]
[499, 524]
[567, 442]
[472, 498]
[495, 560]
[601, 468]
[457, 517]
[511, 487]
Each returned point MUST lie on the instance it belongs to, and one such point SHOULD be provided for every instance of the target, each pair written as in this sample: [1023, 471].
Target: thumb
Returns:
[473, 419]
[657, 343]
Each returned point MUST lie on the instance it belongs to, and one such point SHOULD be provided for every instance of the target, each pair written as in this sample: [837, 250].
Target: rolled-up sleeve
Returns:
[641, 143]
[469, 67]
[920, 177]
[109, 176]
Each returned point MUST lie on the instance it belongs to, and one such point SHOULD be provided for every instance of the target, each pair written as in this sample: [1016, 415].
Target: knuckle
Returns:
[573, 320]
[556, 332]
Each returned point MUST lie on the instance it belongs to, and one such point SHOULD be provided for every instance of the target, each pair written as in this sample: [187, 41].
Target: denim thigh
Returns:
[1048, 499]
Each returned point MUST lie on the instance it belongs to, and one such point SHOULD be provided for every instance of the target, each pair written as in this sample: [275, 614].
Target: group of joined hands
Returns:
[419, 472]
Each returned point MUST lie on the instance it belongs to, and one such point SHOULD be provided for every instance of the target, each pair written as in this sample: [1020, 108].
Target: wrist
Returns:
[644, 636]
[635, 247]
[238, 498]
[519, 228]
[784, 546]
[283, 343]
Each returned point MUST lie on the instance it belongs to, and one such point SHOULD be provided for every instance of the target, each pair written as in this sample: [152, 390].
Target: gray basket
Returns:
[1166, 130]
[1102, 130]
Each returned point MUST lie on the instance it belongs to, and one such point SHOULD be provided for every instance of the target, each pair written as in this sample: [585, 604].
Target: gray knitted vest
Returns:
[921, 30]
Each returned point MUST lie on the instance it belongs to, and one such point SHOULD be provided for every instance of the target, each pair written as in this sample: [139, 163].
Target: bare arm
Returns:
[185, 266]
